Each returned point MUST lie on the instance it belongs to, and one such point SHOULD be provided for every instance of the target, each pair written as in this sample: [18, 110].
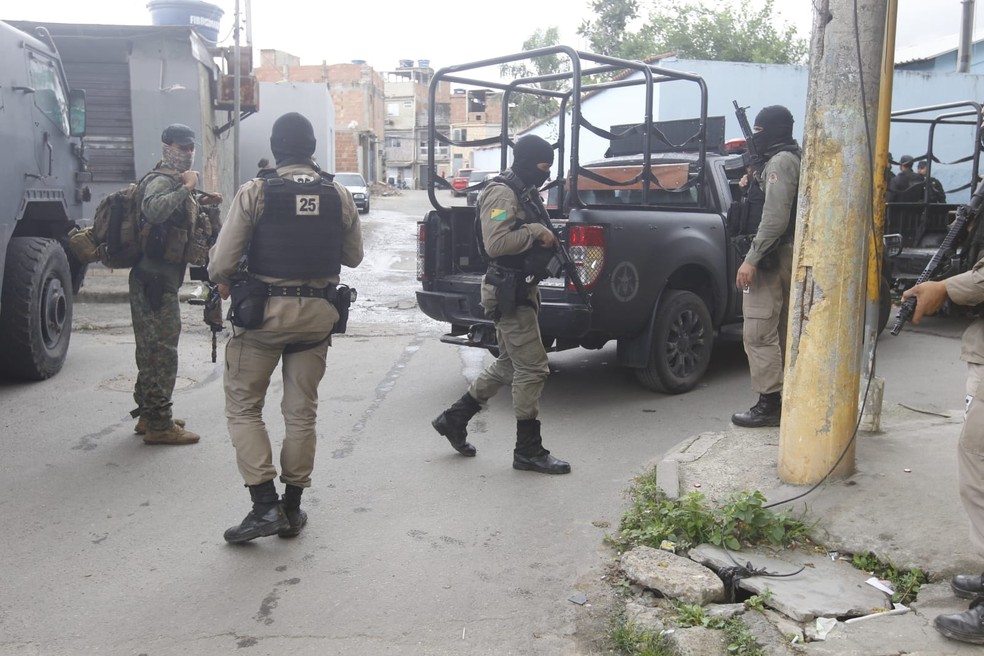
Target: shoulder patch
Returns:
[773, 177]
[498, 215]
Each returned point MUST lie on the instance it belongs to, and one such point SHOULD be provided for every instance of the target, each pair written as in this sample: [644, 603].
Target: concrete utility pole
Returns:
[966, 42]
[827, 299]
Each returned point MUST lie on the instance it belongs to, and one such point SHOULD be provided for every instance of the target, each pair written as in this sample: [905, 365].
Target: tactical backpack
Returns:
[114, 237]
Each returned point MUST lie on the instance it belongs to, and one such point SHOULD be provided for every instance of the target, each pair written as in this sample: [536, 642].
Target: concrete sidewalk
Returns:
[901, 504]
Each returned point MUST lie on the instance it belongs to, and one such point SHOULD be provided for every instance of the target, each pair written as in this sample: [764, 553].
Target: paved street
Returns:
[115, 547]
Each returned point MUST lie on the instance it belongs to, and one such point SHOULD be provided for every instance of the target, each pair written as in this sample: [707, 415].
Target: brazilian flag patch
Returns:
[498, 215]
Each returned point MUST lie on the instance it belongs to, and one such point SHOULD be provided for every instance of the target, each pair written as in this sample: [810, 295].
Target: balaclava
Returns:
[777, 128]
[527, 153]
[173, 138]
[292, 140]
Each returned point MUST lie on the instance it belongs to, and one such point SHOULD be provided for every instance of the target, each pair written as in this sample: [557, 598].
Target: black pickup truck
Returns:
[645, 226]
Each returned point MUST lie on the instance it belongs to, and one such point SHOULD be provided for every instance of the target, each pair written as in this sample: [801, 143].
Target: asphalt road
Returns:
[114, 547]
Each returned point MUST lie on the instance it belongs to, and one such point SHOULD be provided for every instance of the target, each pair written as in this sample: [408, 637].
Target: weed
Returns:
[628, 640]
[759, 601]
[691, 520]
[740, 640]
[694, 615]
[905, 582]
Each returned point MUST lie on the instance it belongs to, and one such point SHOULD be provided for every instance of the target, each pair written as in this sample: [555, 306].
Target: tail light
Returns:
[421, 234]
[587, 249]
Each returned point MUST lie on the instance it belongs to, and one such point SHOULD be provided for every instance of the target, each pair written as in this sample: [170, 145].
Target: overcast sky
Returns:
[448, 32]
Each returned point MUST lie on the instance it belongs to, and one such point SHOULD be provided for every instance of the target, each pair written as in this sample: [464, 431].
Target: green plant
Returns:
[628, 640]
[758, 602]
[905, 582]
[740, 640]
[694, 615]
[691, 520]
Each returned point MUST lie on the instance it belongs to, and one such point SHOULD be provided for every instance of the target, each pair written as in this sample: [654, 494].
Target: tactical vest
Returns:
[186, 235]
[299, 236]
[531, 210]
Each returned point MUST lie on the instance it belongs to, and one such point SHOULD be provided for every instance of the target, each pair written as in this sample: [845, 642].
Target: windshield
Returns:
[350, 179]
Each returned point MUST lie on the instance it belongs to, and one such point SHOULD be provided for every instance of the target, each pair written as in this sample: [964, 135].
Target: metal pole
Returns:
[874, 391]
[823, 356]
[966, 37]
[236, 68]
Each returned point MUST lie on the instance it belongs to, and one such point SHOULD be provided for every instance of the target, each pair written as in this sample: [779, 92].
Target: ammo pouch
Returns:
[249, 297]
[507, 285]
[155, 236]
[542, 263]
[344, 297]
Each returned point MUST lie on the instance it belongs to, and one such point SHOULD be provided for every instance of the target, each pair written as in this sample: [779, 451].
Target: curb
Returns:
[690, 449]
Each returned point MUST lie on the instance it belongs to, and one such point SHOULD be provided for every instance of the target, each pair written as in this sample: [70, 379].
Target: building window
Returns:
[393, 109]
[392, 142]
[459, 134]
[408, 103]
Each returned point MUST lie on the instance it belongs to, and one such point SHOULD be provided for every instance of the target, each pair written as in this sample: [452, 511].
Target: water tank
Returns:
[423, 63]
[406, 63]
[202, 16]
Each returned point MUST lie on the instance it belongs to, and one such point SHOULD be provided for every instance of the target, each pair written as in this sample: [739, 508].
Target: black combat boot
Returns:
[266, 518]
[530, 454]
[453, 423]
[766, 412]
[967, 626]
[292, 508]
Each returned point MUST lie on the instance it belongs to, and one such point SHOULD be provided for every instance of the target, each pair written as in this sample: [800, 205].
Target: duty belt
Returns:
[327, 293]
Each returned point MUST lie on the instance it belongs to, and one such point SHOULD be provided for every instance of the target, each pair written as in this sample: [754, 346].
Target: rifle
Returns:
[561, 260]
[212, 312]
[964, 214]
[751, 157]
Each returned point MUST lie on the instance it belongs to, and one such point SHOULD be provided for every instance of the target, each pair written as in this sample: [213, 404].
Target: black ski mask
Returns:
[527, 153]
[777, 128]
[292, 140]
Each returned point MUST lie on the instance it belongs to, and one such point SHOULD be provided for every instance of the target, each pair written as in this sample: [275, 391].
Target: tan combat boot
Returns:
[141, 427]
[174, 435]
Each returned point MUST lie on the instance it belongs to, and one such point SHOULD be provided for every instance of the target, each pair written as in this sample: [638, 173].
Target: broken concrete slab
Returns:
[824, 588]
[673, 576]
[697, 641]
[647, 619]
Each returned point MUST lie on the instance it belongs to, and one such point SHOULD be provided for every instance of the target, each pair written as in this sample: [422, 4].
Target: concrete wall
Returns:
[276, 99]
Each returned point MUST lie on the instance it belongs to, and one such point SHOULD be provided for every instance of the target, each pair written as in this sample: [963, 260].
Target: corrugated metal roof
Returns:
[930, 49]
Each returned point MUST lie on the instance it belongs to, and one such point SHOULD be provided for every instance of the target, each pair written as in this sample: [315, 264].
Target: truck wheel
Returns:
[36, 309]
[682, 342]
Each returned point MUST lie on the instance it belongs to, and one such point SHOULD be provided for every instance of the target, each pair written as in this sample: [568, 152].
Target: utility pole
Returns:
[966, 42]
[827, 299]
[236, 102]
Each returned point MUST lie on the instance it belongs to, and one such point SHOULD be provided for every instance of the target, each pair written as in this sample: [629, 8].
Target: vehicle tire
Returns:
[682, 341]
[365, 211]
[36, 309]
[884, 304]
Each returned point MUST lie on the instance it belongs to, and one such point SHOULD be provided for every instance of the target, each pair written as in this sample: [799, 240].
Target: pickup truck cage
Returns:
[581, 82]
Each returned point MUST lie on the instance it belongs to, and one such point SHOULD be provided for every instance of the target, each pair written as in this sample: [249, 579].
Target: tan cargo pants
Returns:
[765, 308]
[522, 363]
[970, 469]
[251, 358]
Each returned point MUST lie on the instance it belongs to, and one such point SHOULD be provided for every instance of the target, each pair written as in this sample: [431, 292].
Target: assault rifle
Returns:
[751, 156]
[212, 312]
[561, 260]
[964, 214]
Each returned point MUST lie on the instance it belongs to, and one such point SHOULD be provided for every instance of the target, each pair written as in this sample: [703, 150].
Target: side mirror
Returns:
[76, 112]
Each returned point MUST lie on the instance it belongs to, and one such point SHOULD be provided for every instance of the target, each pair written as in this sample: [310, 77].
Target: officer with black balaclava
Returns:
[764, 276]
[297, 227]
[507, 210]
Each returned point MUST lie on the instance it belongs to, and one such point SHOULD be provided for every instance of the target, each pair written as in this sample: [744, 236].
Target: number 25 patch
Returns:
[307, 205]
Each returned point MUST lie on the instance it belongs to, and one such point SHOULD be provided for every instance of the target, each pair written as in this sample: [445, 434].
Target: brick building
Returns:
[407, 108]
[357, 93]
[475, 114]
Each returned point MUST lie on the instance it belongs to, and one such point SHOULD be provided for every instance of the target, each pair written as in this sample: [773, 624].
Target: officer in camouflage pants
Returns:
[154, 283]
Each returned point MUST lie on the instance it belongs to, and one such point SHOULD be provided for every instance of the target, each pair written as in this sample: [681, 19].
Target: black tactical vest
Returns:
[299, 235]
[531, 208]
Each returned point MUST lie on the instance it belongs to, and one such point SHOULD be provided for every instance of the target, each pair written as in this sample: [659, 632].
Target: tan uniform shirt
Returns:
[504, 232]
[780, 180]
[237, 230]
[968, 289]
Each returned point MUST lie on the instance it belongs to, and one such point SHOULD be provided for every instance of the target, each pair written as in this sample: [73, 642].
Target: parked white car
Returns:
[355, 183]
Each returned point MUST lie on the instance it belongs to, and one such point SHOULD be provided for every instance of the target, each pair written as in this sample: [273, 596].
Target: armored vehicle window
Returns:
[49, 95]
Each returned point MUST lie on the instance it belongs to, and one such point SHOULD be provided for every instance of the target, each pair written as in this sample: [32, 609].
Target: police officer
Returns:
[507, 209]
[765, 273]
[905, 179]
[169, 207]
[296, 227]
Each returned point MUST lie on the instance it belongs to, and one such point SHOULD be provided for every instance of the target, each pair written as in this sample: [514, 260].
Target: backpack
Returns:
[114, 237]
